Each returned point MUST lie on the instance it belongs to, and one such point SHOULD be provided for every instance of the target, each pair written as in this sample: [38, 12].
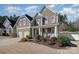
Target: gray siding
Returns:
[50, 16]
[23, 22]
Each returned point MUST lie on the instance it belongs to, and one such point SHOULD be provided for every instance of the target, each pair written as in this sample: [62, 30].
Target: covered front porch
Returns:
[45, 30]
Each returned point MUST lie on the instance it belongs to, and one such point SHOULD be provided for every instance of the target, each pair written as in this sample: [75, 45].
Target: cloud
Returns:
[51, 6]
[75, 5]
[31, 8]
[11, 9]
[71, 13]
[68, 10]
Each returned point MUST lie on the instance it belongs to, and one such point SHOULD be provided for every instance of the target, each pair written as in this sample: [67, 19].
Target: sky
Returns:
[71, 10]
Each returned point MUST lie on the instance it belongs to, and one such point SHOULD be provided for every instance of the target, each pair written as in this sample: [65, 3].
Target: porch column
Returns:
[46, 32]
[32, 33]
[56, 31]
[39, 31]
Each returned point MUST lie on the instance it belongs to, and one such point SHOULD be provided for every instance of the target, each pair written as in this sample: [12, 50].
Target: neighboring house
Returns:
[2, 29]
[9, 26]
[45, 23]
[23, 25]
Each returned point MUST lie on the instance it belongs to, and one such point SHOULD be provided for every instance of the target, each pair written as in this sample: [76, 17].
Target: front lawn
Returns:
[67, 32]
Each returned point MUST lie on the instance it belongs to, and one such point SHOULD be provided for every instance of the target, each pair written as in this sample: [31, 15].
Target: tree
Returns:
[14, 17]
[2, 18]
[63, 20]
[71, 27]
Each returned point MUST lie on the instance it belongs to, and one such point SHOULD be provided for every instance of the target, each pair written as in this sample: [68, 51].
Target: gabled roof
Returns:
[49, 9]
[29, 17]
[1, 25]
[12, 22]
[43, 9]
[26, 15]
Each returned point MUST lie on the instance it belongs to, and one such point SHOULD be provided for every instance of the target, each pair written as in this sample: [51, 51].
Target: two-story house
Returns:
[45, 23]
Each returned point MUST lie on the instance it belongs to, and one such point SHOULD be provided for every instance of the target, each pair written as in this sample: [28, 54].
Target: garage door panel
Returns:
[26, 33]
[20, 35]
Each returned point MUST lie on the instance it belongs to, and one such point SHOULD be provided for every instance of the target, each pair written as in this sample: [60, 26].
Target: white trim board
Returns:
[24, 28]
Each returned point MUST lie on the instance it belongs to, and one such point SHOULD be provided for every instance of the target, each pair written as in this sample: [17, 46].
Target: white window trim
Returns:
[24, 23]
[38, 21]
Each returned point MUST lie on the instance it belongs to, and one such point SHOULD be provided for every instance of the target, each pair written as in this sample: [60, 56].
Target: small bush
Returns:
[65, 40]
[13, 35]
[23, 40]
[54, 38]
[38, 38]
[29, 37]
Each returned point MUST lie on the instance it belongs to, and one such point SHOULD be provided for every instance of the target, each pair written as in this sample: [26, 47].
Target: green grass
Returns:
[67, 32]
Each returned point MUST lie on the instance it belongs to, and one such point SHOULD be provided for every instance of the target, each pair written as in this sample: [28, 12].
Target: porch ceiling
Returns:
[45, 26]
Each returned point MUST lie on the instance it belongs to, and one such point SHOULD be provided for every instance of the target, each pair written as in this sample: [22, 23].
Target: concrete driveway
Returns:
[8, 41]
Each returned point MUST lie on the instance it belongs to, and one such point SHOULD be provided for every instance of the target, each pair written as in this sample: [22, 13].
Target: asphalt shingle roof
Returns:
[29, 17]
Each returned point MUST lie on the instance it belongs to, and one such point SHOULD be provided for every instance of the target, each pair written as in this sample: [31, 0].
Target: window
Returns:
[19, 23]
[24, 21]
[46, 21]
[38, 21]
[53, 19]
[43, 21]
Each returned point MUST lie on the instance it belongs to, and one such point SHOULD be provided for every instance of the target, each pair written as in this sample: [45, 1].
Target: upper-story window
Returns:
[53, 19]
[19, 23]
[46, 21]
[24, 21]
[38, 21]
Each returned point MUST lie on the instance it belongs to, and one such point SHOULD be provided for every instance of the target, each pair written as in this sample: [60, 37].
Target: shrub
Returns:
[54, 38]
[38, 38]
[65, 40]
[13, 35]
[29, 37]
[23, 40]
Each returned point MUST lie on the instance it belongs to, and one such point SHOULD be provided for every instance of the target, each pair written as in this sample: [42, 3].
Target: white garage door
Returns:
[20, 35]
[26, 33]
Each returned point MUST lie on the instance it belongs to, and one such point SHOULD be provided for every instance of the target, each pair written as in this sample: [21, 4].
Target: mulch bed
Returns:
[57, 45]
[53, 44]
[46, 44]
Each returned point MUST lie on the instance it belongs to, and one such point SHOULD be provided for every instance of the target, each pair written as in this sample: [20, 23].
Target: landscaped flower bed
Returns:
[62, 41]
[59, 42]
